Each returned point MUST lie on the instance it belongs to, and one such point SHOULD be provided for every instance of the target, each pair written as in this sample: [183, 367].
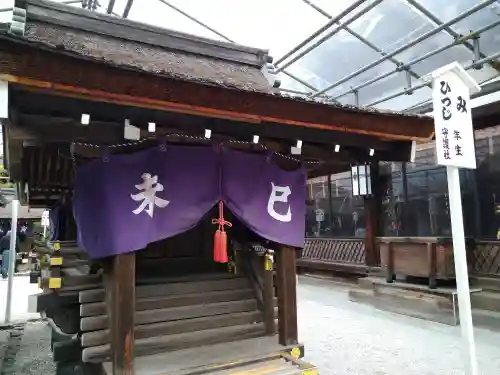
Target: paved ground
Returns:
[344, 338]
[341, 338]
[22, 289]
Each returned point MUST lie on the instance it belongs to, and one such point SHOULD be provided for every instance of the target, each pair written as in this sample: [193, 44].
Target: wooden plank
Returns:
[432, 261]
[167, 343]
[373, 207]
[175, 313]
[101, 337]
[122, 282]
[202, 360]
[98, 295]
[287, 295]
[268, 299]
[99, 308]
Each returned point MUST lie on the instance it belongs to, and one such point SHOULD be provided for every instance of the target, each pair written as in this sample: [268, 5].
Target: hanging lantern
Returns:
[361, 180]
[220, 236]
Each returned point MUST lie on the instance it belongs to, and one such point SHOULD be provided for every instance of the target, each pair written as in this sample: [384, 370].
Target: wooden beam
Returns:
[268, 300]
[60, 74]
[14, 152]
[373, 213]
[33, 128]
[122, 286]
[287, 295]
[32, 101]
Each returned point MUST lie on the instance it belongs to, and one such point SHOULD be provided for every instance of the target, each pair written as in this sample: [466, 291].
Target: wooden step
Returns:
[151, 303]
[144, 291]
[168, 343]
[485, 301]
[175, 313]
[277, 366]
[486, 283]
[101, 337]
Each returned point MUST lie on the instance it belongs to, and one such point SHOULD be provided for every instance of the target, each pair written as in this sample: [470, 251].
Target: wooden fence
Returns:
[334, 254]
[348, 256]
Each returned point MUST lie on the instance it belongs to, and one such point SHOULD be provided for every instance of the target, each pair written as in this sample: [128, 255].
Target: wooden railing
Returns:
[335, 254]
[485, 258]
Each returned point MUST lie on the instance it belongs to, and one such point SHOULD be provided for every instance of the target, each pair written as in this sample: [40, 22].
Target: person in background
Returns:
[5, 250]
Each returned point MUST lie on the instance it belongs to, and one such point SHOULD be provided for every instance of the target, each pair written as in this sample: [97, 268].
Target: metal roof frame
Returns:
[343, 21]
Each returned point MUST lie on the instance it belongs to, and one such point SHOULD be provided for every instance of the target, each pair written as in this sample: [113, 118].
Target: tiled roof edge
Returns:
[73, 17]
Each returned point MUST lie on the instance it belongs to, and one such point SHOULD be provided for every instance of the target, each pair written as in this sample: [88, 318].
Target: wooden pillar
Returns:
[287, 295]
[268, 295]
[373, 205]
[122, 309]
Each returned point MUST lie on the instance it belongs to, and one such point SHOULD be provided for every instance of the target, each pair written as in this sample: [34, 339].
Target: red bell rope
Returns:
[220, 236]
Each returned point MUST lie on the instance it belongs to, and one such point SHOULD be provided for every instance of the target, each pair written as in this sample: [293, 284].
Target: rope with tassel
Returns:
[220, 236]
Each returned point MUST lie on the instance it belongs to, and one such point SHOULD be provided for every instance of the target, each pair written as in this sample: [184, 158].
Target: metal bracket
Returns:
[477, 52]
[17, 26]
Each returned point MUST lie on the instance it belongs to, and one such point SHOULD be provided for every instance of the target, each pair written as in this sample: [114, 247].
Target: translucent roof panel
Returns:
[336, 65]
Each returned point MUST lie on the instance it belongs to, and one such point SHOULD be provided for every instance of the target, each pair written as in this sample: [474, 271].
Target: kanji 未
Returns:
[445, 87]
[456, 135]
[461, 105]
[149, 187]
[458, 150]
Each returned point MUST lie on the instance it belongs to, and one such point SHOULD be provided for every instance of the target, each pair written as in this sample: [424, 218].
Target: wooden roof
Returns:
[164, 56]
[71, 61]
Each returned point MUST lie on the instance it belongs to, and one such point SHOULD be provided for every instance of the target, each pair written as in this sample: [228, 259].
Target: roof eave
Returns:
[76, 18]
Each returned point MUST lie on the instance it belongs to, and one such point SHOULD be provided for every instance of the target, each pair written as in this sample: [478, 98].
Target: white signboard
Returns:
[361, 180]
[320, 215]
[451, 89]
[45, 219]
[453, 121]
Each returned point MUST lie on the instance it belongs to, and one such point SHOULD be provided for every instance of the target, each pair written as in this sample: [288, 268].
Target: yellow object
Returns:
[57, 246]
[56, 261]
[55, 283]
[295, 353]
[39, 283]
[268, 263]
[310, 371]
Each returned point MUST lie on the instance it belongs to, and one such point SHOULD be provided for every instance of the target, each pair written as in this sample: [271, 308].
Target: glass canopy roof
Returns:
[373, 52]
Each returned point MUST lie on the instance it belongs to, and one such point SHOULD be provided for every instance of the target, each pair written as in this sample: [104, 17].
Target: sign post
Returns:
[12, 259]
[45, 222]
[451, 89]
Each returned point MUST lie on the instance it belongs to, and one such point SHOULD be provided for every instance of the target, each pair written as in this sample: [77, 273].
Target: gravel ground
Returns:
[29, 351]
[345, 338]
[341, 338]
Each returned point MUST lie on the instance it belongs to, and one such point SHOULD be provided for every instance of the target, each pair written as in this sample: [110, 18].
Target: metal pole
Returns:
[418, 87]
[292, 76]
[407, 45]
[12, 259]
[195, 20]
[419, 59]
[111, 5]
[329, 35]
[128, 6]
[448, 29]
[426, 106]
[361, 38]
[299, 80]
[320, 30]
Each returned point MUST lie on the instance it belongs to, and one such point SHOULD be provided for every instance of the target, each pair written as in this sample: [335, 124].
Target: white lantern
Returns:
[361, 180]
